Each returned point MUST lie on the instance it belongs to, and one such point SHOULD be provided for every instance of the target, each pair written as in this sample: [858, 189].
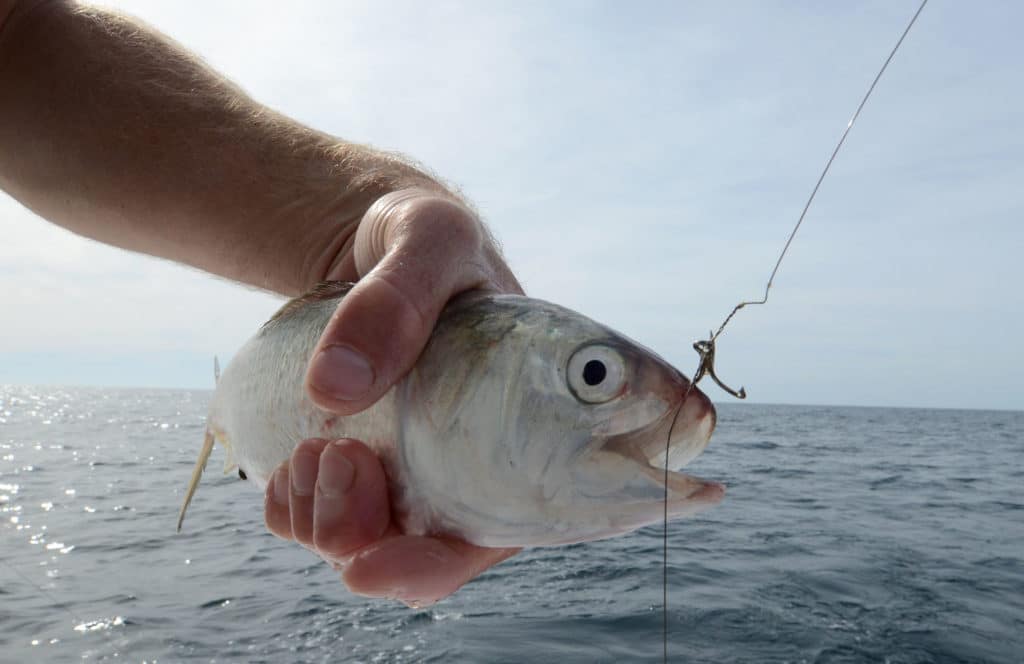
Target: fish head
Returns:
[527, 424]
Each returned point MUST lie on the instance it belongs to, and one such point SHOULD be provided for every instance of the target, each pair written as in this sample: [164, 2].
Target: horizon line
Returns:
[732, 402]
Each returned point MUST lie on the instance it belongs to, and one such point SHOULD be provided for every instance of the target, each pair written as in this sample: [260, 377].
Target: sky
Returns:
[642, 165]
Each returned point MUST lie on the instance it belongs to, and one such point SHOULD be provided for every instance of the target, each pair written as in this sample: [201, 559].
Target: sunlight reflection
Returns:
[96, 625]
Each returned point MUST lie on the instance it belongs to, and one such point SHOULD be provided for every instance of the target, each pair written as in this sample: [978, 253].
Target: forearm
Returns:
[113, 131]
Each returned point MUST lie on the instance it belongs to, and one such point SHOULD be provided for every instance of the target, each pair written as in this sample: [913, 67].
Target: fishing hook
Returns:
[706, 350]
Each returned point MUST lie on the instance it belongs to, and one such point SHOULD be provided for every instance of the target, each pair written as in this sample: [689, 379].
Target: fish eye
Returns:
[596, 373]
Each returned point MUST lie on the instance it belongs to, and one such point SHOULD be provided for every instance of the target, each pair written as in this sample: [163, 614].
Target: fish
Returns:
[522, 423]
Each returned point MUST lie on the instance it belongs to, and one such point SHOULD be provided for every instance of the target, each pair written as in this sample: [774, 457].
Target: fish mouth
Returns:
[660, 449]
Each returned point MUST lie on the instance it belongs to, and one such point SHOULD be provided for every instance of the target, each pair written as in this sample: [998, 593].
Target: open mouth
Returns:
[690, 433]
[681, 486]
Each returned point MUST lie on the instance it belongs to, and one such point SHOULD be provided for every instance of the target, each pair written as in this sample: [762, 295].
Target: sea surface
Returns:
[847, 535]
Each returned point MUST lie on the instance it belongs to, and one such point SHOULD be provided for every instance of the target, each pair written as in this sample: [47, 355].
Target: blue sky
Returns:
[641, 166]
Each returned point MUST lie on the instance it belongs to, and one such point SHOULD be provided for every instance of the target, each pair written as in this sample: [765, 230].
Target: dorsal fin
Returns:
[325, 290]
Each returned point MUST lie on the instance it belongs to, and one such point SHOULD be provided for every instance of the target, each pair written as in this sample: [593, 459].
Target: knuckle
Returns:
[444, 219]
[405, 301]
[456, 227]
[426, 219]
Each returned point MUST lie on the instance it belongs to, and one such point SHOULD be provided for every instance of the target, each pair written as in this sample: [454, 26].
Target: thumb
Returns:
[416, 250]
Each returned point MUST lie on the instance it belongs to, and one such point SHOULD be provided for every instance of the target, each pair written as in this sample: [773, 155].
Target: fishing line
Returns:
[43, 592]
[664, 532]
[706, 348]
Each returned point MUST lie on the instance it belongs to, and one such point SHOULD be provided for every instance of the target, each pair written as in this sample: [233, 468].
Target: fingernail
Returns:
[303, 472]
[342, 373]
[337, 474]
[281, 489]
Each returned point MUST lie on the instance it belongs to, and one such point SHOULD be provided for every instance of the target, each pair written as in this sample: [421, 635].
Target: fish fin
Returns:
[197, 473]
[229, 458]
[216, 370]
[325, 290]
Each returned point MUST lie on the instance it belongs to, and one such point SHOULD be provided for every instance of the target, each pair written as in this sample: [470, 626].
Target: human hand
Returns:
[413, 250]
[332, 498]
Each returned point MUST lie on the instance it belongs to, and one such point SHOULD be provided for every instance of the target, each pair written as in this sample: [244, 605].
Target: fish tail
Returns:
[197, 473]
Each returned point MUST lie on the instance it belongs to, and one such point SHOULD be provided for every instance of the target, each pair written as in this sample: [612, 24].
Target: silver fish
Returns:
[522, 423]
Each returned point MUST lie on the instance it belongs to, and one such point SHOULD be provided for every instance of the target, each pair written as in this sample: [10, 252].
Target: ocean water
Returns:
[846, 535]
